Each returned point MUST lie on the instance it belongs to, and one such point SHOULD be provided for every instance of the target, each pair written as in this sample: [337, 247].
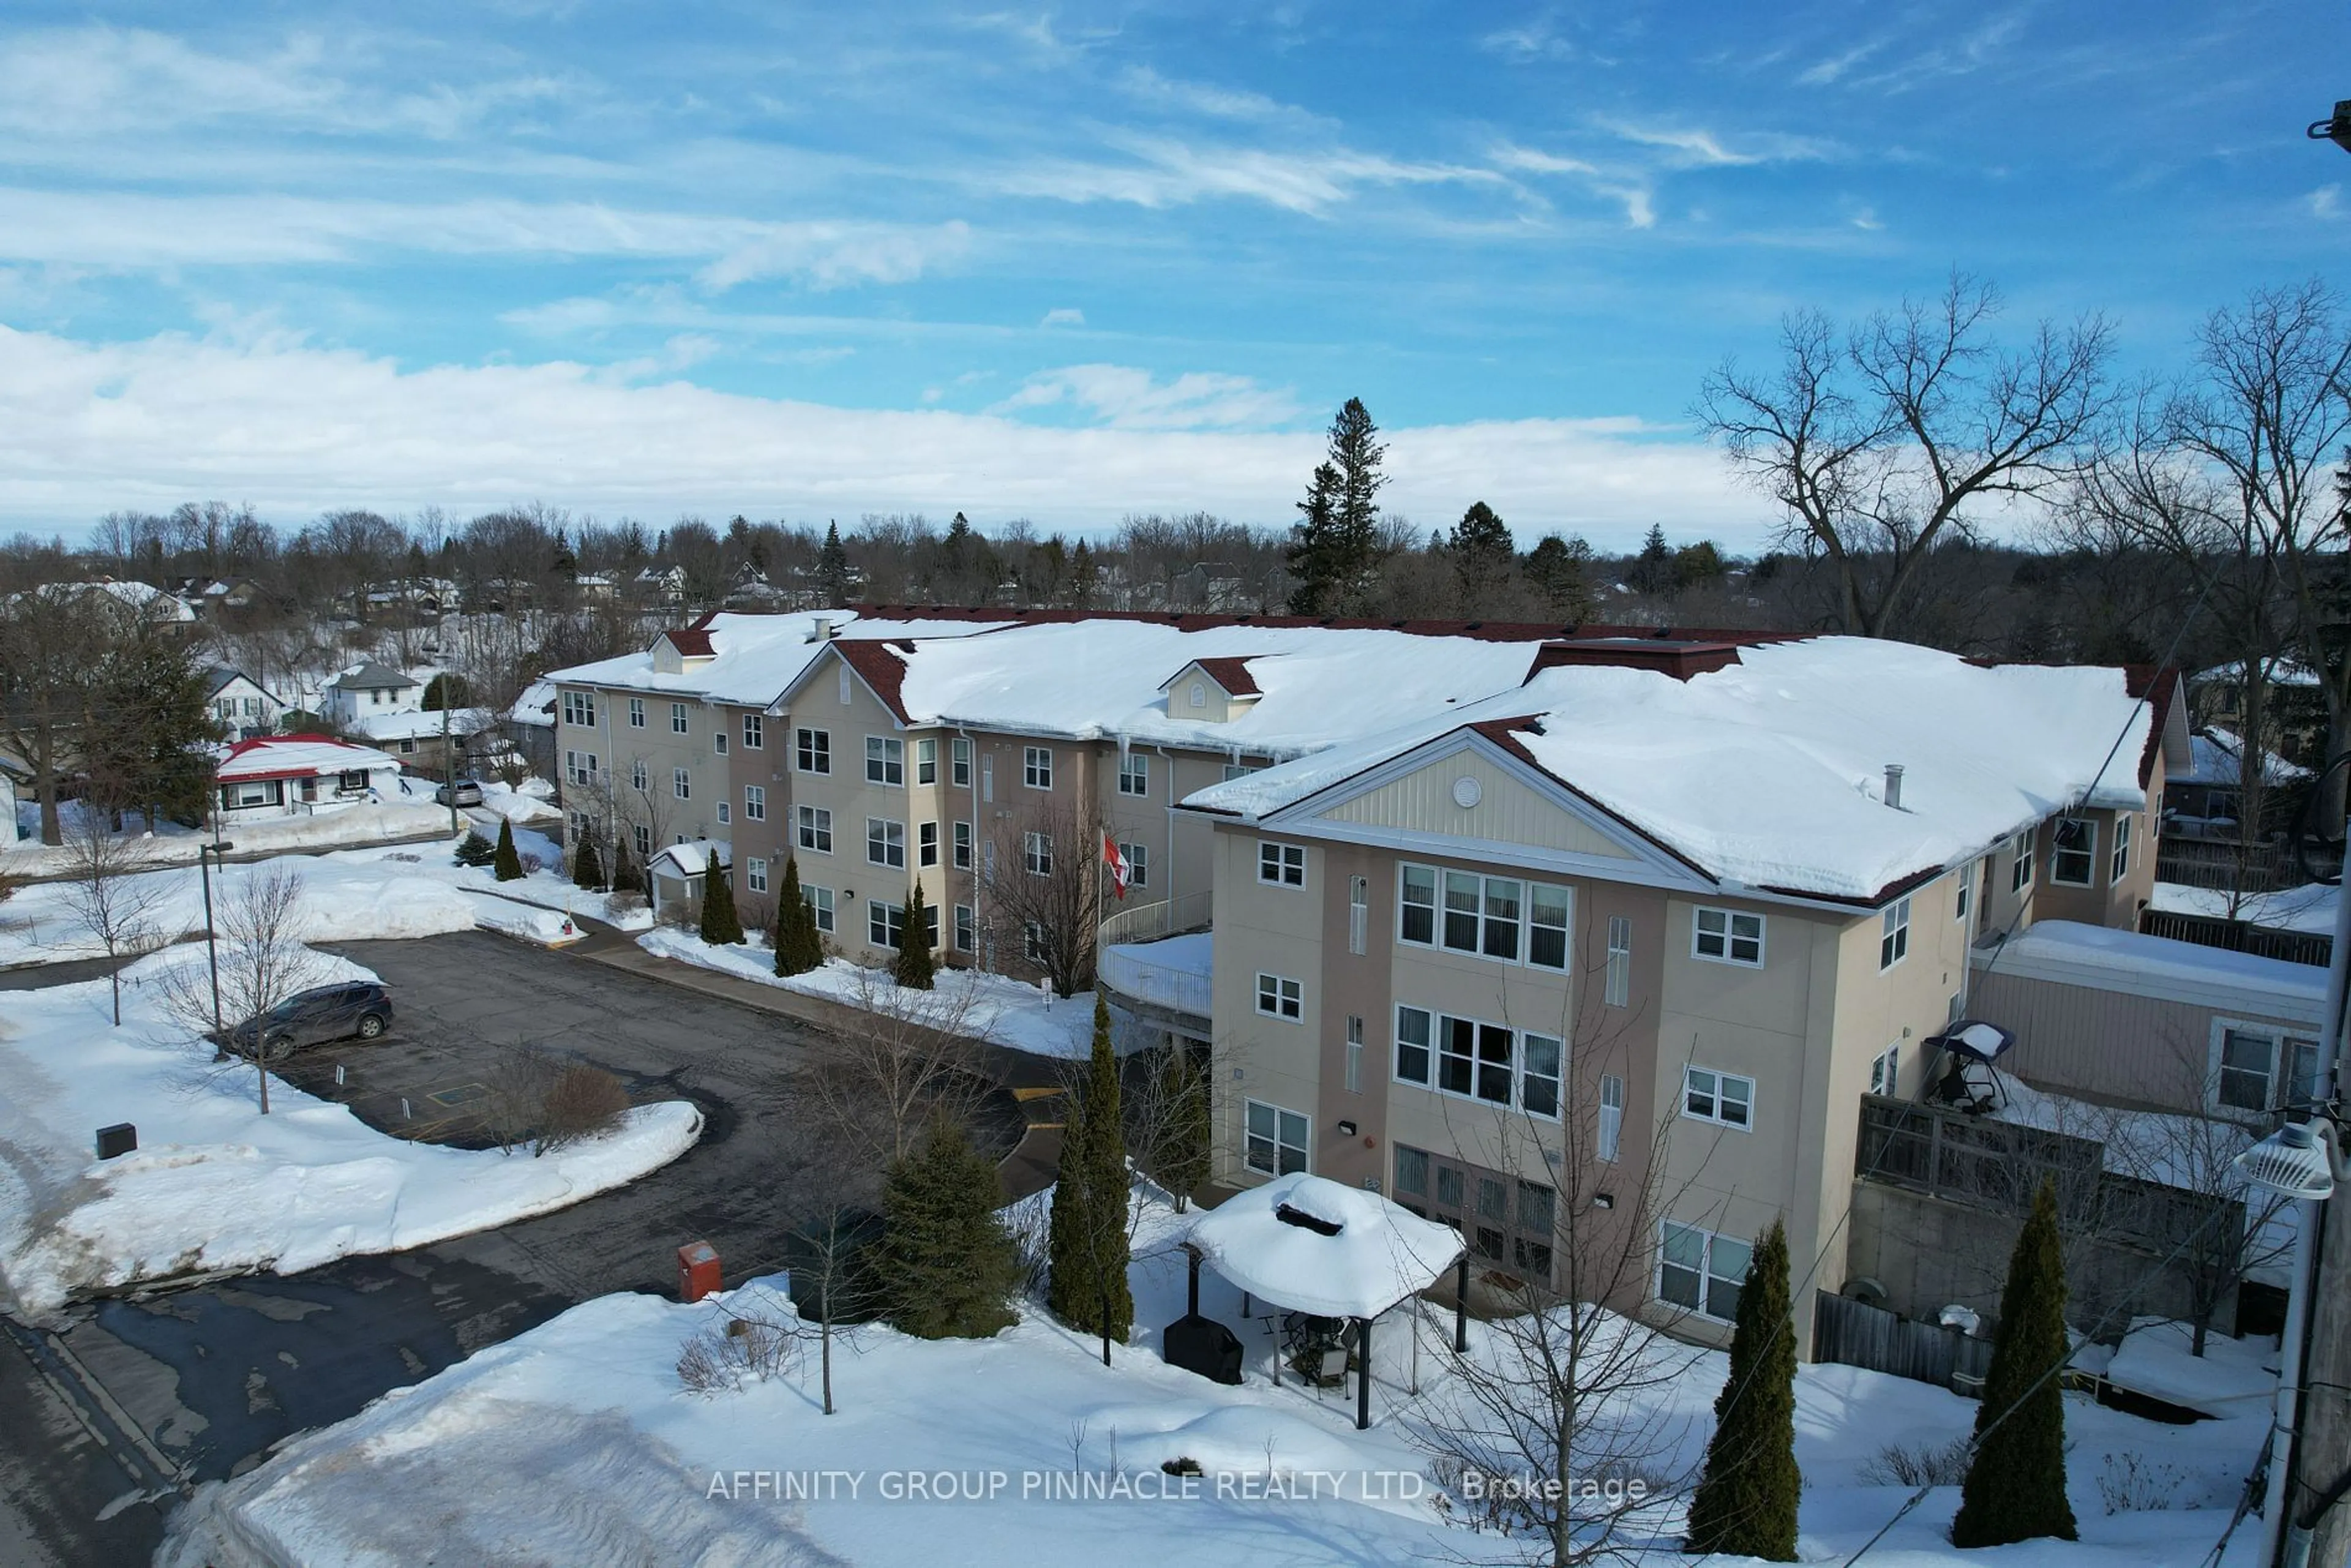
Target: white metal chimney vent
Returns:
[1893, 785]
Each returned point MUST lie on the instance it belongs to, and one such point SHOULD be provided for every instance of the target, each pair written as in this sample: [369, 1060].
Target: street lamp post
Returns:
[2302, 1162]
[205, 855]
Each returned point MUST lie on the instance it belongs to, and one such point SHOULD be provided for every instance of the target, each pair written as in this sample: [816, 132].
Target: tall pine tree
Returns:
[2015, 1488]
[1088, 1239]
[1480, 551]
[800, 947]
[721, 926]
[625, 877]
[914, 966]
[1335, 549]
[505, 860]
[587, 870]
[1746, 1501]
[1179, 1145]
[946, 1266]
[833, 569]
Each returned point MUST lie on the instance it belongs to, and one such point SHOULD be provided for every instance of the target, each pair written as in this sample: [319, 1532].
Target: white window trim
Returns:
[755, 802]
[2020, 865]
[1435, 1084]
[1706, 1273]
[808, 822]
[1032, 768]
[1893, 926]
[2119, 852]
[1305, 1149]
[1730, 937]
[1135, 768]
[2090, 856]
[1717, 1119]
[1612, 1119]
[1281, 996]
[1282, 853]
[1616, 976]
[1885, 1071]
[2281, 1061]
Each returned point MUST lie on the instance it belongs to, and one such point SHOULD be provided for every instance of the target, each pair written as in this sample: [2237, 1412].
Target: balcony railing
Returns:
[1150, 921]
[1135, 961]
[1132, 973]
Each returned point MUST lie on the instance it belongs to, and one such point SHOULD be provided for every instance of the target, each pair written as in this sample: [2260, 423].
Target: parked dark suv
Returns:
[361, 1008]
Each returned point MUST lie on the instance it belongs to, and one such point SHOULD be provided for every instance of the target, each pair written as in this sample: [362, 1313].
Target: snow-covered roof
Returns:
[298, 756]
[1092, 679]
[535, 705]
[219, 676]
[1770, 772]
[753, 657]
[1310, 1244]
[2065, 952]
[422, 724]
[2274, 672]
[692, 858]
[2213, 760]
[368, 676]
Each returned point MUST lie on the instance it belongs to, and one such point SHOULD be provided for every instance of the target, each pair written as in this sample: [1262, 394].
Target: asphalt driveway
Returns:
[213, 1375]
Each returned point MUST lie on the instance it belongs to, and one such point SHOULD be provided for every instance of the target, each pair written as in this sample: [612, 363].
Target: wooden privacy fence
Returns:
[1857, 1333]
[2237, 937]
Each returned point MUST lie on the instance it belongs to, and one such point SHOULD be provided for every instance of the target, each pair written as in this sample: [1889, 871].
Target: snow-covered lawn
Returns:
[577, 1443]
[1007, 1012]
[175, 845]
[216, 1184]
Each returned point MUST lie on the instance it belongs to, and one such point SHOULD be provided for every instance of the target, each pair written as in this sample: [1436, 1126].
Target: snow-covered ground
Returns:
[577, 1443]
[995, 1007]
[216, 1184]
[2310, 909]
[2233, 1377]
[172, 844]
[532, 802]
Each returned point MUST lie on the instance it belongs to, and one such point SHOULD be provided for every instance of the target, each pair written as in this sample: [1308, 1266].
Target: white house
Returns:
[239, 705]
[366, 689]
[292, 775]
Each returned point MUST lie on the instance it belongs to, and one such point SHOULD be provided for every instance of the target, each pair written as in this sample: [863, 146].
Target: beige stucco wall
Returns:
[617, 743]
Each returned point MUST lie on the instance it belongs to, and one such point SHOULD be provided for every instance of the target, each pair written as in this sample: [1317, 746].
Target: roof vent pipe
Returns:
[1893, 785]
[819, 628]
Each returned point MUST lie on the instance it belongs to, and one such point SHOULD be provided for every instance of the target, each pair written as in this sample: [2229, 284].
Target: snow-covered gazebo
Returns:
[1311, 1245]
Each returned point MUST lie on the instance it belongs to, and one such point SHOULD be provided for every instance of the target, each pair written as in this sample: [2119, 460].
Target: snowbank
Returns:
[1004, 1011]
[575, 1443]
[214, 1183]
[175, 845]
[2232, 1378]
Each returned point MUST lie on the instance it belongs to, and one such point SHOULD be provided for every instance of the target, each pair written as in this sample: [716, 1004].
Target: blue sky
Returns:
[1068, 262]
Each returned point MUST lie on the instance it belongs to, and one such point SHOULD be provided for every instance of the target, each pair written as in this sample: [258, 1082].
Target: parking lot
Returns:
[214, 1374]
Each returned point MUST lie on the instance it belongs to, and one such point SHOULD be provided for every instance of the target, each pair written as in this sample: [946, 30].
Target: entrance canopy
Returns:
[1310, 1244]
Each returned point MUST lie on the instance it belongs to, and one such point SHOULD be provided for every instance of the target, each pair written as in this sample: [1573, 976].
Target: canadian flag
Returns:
[1117, 863]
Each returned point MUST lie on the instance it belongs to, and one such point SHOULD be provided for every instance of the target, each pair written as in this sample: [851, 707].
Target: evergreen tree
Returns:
[832, 567]
[721, 926]
[587, 870]
[507, 863]
[914, 966]
[1335, 549]
[1179, 1145]
[625, 878]
[1696, 565]
[1558, 569]
[1653, 569]
[947, 1267]
[1746, 1501]
[150, 752]
[1084, 575]
[475, 849]
[445, 691]
[1088, 1239]
[1480, 551]
[800, 947]
[2015, 1488]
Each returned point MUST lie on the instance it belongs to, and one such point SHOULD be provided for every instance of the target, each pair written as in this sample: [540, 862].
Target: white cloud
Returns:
[1168, 173]
[1532, 160]
[2326, 201]
[1063, 315]
[87, 428]
[132, 229]
[1130, 399]
[1200, 98]
[1830, 69]
[1537, 38]
[1694, 146]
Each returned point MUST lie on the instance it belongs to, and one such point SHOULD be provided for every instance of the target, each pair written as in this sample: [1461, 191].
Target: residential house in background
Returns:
[239, 705]
[294, 775]
[364, 689]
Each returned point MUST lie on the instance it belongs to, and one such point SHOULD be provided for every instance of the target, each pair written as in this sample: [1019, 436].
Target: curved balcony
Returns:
[1154, 961]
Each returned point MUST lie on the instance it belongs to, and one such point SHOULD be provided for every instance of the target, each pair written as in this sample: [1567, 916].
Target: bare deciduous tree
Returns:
[110, 891]
[1880, 439]
[259, 924]
[906, 1057]
[1044, 896]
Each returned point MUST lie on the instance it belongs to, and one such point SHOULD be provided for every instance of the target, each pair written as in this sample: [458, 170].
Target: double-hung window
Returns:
[677, 720]
[1612, 1115]
[1281, 998]
[1546, 925]
[1138, 864]
[1489, 916]
[1966, 896]
[2119, 862]
[2020, 864]
[819, 903]
[1726, 937]
[755, 731]
[814, 749]
[1282, 866]
[1894, 934]
[1701, 1270]
[885, 843]
[926, 844]
[1417, 906]
[1473, 1060]
[967, 929]
[885, 924]
[1134, 774]
[926, 761]
[885, 761]
[581, 767]
[718, 742]
[578, 708]
[636, 713]
[680, 783]
[2074, 852]
[755, 875]
[725, 817]
[959, 763]
[1359, 914]
[2250, 1061]
[1037, 853]
[963, 846]
[1276, 1139]
[755, 803]
[1478, 1061]
[1723, 1098]
[815, 828]
[1036, 767]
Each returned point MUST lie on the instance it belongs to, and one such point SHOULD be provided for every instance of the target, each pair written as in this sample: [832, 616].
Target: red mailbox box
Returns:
[698, 1270]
